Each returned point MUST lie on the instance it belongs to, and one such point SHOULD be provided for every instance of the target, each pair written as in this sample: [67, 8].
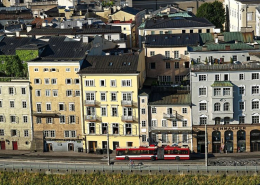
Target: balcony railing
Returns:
[225, 67]
[46, 114]
[92, 118]
[128, 118]
[174, 115]
[90, 103]
[170, 128]
[127, 103]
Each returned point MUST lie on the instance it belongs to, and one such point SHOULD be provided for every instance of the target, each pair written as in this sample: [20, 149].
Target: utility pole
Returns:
[108, 154]
[206, 146]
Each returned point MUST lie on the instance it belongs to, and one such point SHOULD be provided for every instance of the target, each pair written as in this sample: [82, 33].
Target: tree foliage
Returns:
[214, 12]
[12, 66]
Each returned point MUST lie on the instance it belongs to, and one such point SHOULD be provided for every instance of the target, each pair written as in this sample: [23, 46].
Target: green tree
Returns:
[206, 60]
[214, 12]
[12, 66]
[231, 60]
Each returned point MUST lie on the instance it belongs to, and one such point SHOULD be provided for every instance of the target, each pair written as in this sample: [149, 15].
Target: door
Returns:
[115, 145]
[160, 153]
[49, 147]
[104, 145]
[92, 146]
[2, 145]
[70, 147]
[15, 145]
[216, 147]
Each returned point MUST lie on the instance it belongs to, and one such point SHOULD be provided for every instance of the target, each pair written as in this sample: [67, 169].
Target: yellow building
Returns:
[110, 99]
[56, 95]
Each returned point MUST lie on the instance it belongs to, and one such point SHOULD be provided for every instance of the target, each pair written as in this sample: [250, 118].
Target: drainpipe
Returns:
[82, 113]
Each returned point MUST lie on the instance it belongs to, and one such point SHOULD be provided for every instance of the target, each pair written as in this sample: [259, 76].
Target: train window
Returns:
[121, 152]
[174, 151]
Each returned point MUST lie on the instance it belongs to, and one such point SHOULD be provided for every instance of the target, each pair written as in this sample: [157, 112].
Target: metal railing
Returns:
[128, 118]
[225, 67]
[90, 102]
[127, 103]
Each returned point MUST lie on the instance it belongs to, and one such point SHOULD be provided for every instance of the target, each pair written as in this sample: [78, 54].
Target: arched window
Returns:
[226, 106]
[217, 107]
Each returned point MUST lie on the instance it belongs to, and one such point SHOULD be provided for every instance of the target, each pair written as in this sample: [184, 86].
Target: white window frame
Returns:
[54, 92]
[36, 69]
[111, 81]
[72, 107]
[243, 74]
[126, 83]
[24, 101]
[22, 90]
[104, 83]
[105, 96]
[67, 69]
[244, 90]
[203, 88]
[46, 81]
[89, 83]
[101, 112]
[47, 92]
[54, 81]
[184, 110]
[200, 76]
[66, 81]
[48, 104]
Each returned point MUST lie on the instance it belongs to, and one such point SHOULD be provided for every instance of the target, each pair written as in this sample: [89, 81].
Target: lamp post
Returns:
[206, 146]
[108, 154]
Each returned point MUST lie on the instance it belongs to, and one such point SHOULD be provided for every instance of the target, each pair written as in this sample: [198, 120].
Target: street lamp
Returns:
[108, 154]
[206, 146]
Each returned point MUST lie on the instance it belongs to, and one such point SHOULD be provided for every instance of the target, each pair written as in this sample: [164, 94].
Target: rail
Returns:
[226, 67]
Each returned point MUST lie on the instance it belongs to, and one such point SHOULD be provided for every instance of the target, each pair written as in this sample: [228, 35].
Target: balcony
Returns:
[170, 129]
[126, 103]
[128, 118]
[90, 103]
[174, 115]
[46, 114]
[92, 118]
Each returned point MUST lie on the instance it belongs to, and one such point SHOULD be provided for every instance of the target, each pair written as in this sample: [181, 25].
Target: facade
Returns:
[56, 96]
[166, 120]
[225, 98]
[241, 14]
[110, 87]
[15, 114]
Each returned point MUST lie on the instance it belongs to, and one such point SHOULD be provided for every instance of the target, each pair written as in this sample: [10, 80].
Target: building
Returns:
[242, 15]
[15, 114]
[165, 117]
[110, 87]
[56, 94]
[225, 98]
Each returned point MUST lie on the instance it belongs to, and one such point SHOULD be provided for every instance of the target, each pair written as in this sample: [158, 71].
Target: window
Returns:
[241, 90]
[115, 128]
[168, 65]
[39, 107]
[53, 81]
[49, 120]
[255, 89]
[164, 123]
[103, 111]
[109, 37]
[102, 83]
[38, 92]
[187, 65]
[217, 120]
[143, 100]
[217, 77]
[12, 103]
[47, 92]
[76, 69]
[104, 128]
[49, 133]
[114, 111]
[48, 106]
[174, 123]
[129, 144]
[26, 133]
[68, 92]
[234, 57]
[241, 76]
[183, 31]
[2, 132]
[113, 97]
[202, 91]
[128, 129]
[126, 83]
[143, 123]
[199, 30]
[191, 31]
[154, 123]
[38, 120]
[153, 110]
[184, 138]
[184, 111]
[167, 54]
[67, 69]
[255, 76]
[241, 105]
[127, 96]
[66, 133]
[184, 123]
[13, 133]
[164, 78]
[241, 119]
[143, 111]
[186, 52]
[36, 69]
[174, 138]
[226, 91]
[203, 120]
[89, 83]
[249, 16]
[203, 106]
[103, 96]
[176, 65]
[92, 128]
[72, 119]
[255, 104]
[255, 119]
[226, 106]
[11, 90]
[152, 53]
[152, 32]
[68, 81]
[62, 119]
[24, 104]
[12, 119]
[23, 90]
[217, 91]
[53, 70]
[143, 138]
[71, 107]
[226, 77]
[90, 96]
[1, 103]
[77, 92]
[37, 81]
[45, 70]
[47, 81]
[152, 65]
[217, 107]
[202, 77]
[176, 54]
[113, 83]
[0, 90]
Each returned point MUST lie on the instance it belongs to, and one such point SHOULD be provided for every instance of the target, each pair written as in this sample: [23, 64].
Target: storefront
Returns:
[228, 138]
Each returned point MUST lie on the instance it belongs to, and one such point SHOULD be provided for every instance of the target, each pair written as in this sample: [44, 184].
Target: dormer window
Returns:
[110, 63]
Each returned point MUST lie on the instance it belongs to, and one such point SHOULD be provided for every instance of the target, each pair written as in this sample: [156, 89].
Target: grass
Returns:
[36, 178]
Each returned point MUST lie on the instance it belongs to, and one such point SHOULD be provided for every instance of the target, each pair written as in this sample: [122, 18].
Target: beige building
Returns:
[56, 96]
[15, 114]
[165, 117]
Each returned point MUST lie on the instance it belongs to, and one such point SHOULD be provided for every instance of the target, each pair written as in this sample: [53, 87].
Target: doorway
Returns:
[92, 146]
[201, 142]
[160, 153]
[2, 145]
[15, 145]
[115, 145]
[49, 147]
[216, 143]
[70, 147]
[104, 145]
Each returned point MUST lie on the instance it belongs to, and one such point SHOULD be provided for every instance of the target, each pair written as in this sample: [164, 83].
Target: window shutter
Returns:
[124, 130]
[111, 112]
[16, 119]
[40, 81]
[4, 118]
[88, 127]
[14, 90]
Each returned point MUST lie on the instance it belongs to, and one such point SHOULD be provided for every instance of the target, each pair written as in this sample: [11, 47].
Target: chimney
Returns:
[227, 47]
[17, 34]
[256, 46]
[216, 40]
[85, 39]
[28, 28]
